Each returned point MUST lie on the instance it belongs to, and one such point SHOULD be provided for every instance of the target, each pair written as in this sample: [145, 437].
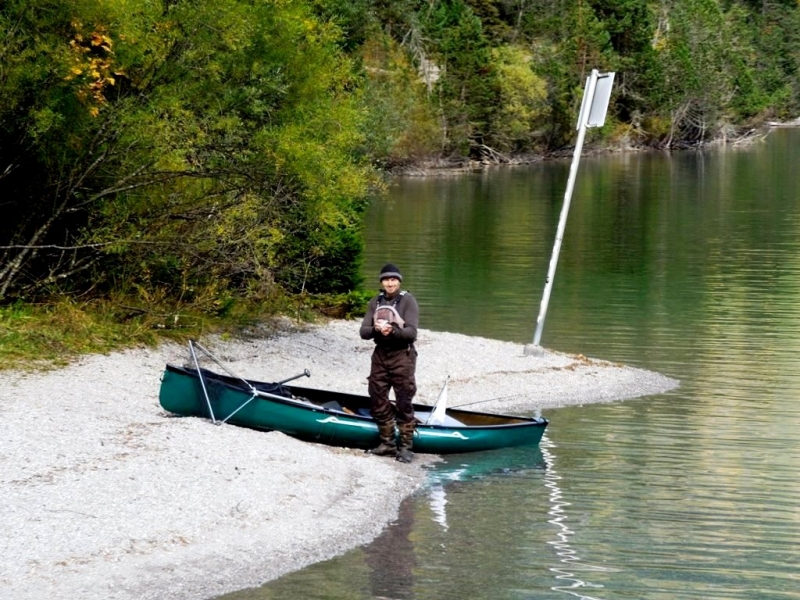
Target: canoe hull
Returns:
[182, 393]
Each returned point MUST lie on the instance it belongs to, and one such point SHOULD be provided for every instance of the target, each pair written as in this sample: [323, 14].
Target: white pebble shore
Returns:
[107, 496]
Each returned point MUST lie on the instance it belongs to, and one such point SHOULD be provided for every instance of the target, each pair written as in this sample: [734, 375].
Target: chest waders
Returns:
[393, 367]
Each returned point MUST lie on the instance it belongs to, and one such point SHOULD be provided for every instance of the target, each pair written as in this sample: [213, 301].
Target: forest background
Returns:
[168, 164]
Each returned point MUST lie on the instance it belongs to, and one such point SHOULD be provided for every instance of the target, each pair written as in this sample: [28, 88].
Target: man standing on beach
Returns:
[391, 321]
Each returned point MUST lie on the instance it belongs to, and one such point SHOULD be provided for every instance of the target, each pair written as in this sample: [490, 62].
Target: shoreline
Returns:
[107, 496]
[442, 167]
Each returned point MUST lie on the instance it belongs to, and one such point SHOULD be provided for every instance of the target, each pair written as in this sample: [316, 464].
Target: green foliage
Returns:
[493, 23]
[39, 336]
[209, 152]
[352, 305]
[695, 50]
[200, 148]
[36, 336]
[774, 65]
[401, 125]
[521, 99]
[631, 27]
[468, 81]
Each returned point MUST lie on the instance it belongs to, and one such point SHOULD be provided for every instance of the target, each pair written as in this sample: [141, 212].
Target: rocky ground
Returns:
[107, 496]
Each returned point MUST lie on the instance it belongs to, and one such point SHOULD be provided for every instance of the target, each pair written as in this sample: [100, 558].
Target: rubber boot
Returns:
[388, 445]
[404, 453]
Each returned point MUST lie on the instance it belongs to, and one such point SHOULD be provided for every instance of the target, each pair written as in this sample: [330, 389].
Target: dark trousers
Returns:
[393, 369]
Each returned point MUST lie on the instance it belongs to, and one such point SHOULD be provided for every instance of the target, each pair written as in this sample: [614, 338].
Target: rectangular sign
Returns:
[596, 96]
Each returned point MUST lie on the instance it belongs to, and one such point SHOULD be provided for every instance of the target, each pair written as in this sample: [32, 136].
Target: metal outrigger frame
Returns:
[255, 393]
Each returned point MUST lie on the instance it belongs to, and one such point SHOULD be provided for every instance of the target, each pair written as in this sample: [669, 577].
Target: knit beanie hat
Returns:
[389, 270]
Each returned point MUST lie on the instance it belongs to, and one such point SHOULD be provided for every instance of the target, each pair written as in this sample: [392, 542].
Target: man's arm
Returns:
[409, 310]
[367, 330]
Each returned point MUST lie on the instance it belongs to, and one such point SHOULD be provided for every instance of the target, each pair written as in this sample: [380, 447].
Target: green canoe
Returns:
[331, 417]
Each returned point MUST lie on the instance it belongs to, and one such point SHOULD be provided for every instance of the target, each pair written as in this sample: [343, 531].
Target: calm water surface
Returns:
[686, 264]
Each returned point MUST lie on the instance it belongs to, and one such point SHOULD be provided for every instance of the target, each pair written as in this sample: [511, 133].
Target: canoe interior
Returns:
[352, 404]
[334, 418]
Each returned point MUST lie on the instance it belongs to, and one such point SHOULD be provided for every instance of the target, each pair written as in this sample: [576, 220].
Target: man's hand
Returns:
[384, 327]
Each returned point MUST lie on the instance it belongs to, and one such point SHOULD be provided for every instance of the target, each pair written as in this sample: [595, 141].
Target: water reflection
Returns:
[437, 498]
[473, 467]
[391, 559]
[442, 541]
[519, 463]
[563, 543]
[687, 264]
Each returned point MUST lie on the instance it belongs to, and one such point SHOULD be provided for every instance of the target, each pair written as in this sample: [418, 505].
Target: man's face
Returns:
[390, 285]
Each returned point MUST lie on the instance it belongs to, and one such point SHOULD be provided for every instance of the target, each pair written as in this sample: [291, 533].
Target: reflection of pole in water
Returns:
[558, 517]
[437, 496]
[437, 500]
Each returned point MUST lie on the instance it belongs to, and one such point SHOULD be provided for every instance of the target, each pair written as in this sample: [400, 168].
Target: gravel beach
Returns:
[107, 496]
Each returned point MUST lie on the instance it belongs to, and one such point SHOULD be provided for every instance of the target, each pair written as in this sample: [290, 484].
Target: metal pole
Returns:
[202, 382]
[562, 222]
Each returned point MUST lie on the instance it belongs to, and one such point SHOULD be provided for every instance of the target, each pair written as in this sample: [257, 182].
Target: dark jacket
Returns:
[400, 337]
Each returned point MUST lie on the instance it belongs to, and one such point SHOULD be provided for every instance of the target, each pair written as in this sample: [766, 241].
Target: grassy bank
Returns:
[53, 334]
[49, 335]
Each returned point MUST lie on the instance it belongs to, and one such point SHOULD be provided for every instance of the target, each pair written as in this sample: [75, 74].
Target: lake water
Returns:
[687, 264]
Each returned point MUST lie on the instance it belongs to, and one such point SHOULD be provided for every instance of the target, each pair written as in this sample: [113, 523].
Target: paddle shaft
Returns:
[305, 373]
[486, 400]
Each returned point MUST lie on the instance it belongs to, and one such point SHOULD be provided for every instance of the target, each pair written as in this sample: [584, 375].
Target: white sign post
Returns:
[594, 107]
